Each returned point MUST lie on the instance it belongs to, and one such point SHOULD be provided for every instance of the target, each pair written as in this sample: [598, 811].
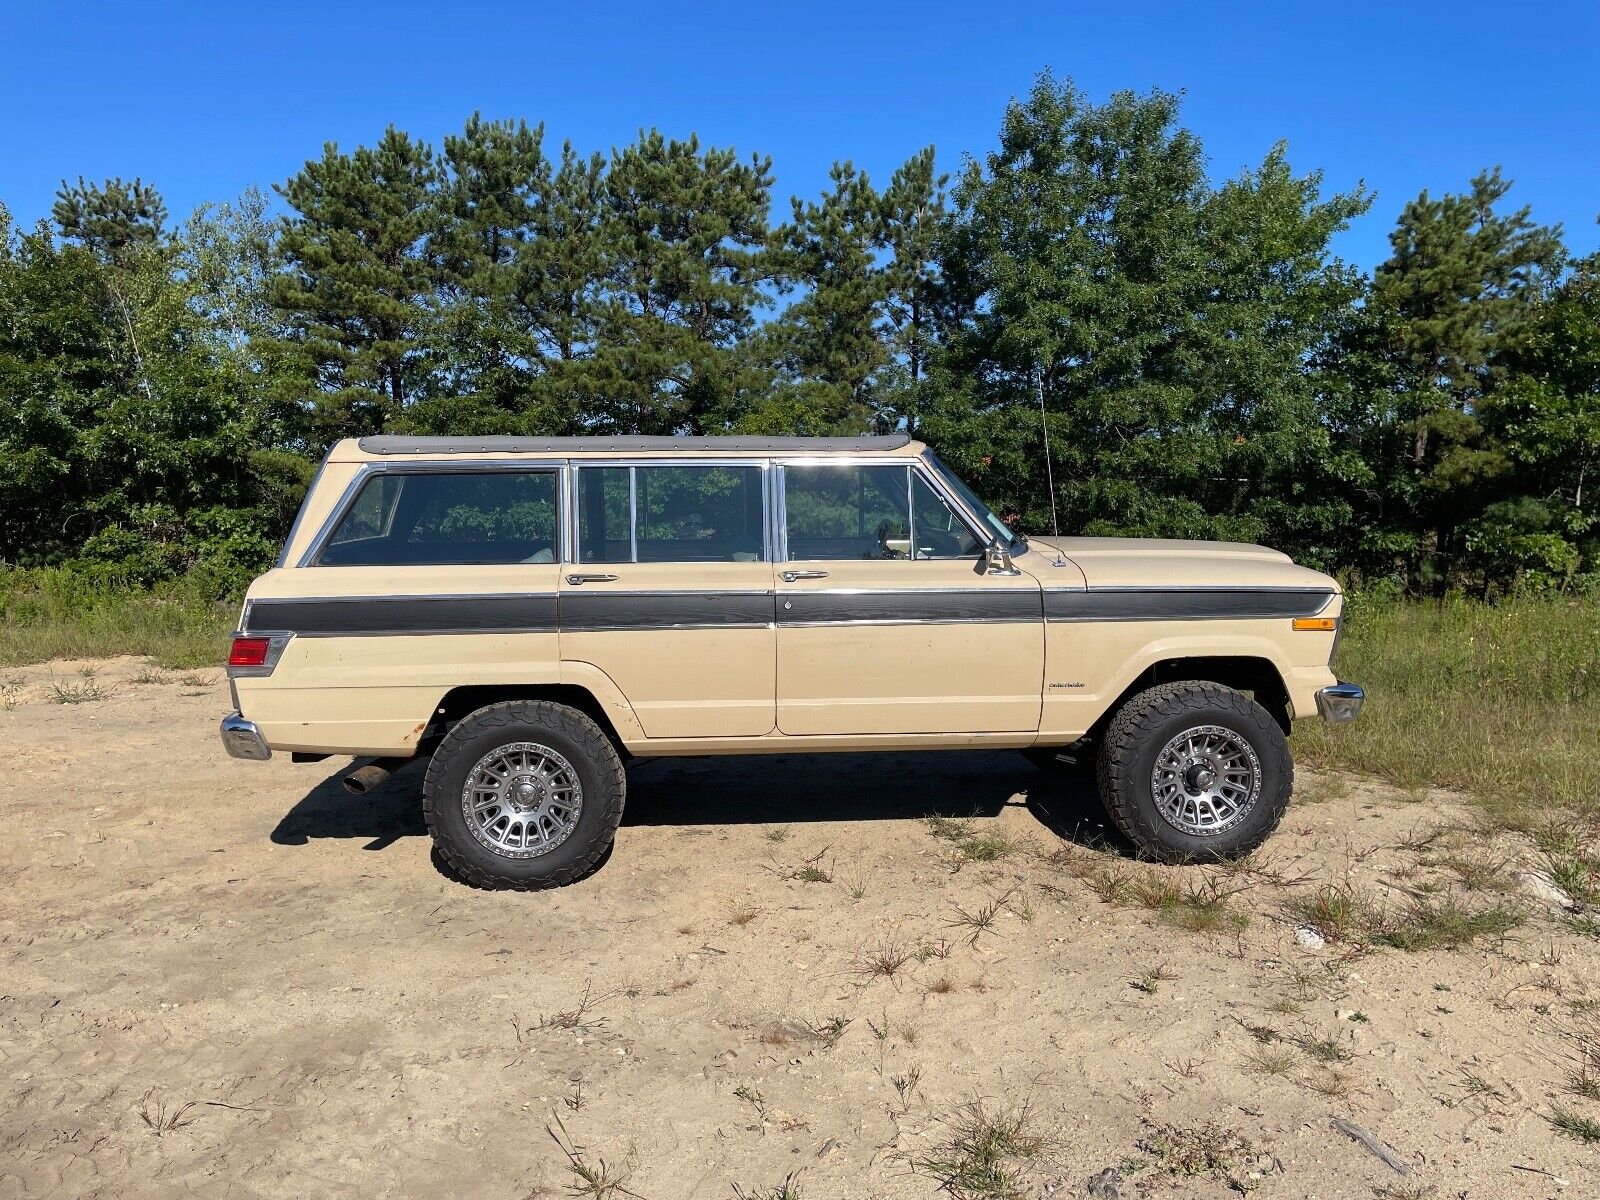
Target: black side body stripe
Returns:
[598, 611]
[1183, 604]
[909, 607]
[592, 611]
[399, 615]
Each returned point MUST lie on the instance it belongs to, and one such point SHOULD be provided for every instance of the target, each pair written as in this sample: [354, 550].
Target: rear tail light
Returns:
[255, 653]
[249, 652]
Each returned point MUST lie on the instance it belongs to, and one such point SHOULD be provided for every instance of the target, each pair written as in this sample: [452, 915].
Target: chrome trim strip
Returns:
[404, 615]
[300, 513]
[631, 444]
[586, 612]
[930, 606]
[1182, 604]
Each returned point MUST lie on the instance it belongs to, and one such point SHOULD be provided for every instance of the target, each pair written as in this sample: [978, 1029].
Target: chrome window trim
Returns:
[367, 471]
[914, 465]
[300, 513]
[764, 465]
[884, 622]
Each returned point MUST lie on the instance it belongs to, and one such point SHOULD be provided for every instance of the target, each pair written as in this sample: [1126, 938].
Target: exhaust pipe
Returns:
[363, 779]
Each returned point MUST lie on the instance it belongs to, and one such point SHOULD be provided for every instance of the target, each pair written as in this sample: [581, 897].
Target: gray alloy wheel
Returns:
[1205, 780]
[523, 794]
[522, 800]
[1194, 771]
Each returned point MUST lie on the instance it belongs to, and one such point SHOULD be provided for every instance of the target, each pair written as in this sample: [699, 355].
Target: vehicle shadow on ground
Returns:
[389, 812]
[777, 789]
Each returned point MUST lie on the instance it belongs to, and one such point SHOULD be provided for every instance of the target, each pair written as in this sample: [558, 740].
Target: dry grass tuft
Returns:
[595, 1179]
[885, 960]
[789, 1189]
[985, 1152]
[1209, 1150]
[970, 844]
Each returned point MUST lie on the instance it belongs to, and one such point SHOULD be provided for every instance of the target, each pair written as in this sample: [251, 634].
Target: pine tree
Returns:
[499, 178]
[914, 225]
[362, 280]
[826, 346]
[1458, 294]
[684, 235]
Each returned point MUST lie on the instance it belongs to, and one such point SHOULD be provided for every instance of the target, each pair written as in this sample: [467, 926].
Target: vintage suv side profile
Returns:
[527, 613]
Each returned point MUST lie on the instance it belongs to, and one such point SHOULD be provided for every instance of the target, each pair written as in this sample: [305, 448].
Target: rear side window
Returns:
[448, 519]
[670, 514]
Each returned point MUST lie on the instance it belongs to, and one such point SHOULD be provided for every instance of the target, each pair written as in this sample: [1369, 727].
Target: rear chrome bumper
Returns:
[242, 739]
[1340, 703]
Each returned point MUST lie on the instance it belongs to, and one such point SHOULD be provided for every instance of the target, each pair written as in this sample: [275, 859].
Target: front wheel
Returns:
[524, 795]
[1195, 771]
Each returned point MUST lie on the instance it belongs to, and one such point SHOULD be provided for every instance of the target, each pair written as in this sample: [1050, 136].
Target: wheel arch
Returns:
[1253, 674]
[462, 701]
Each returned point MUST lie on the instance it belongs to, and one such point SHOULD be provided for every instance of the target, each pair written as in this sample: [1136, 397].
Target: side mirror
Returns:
[997, 560]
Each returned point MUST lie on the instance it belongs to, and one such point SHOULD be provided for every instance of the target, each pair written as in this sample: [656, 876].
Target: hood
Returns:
[1162, 562]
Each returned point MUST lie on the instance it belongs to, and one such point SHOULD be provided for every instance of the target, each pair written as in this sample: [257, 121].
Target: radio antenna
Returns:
[1049, 468]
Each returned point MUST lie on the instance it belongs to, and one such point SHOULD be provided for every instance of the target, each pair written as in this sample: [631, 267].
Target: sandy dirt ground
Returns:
[229, 979]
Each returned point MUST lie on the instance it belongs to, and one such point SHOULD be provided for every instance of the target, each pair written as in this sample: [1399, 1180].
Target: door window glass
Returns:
[846, 511]
[939, 532]
[605, 514]
[439, 518]
[671, 514]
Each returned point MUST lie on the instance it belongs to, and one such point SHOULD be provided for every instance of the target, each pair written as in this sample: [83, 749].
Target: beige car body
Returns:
[372, 660]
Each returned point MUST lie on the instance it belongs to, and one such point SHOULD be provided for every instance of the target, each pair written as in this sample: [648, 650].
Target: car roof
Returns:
[386, 446]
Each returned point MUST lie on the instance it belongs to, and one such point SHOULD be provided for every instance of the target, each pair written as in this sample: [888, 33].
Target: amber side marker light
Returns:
[1316, 624]
[249, 652]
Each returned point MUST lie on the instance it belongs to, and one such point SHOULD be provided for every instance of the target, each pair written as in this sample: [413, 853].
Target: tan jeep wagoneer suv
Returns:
[528, 612]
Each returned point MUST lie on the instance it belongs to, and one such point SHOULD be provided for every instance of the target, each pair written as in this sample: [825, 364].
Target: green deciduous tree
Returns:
[1165, 327]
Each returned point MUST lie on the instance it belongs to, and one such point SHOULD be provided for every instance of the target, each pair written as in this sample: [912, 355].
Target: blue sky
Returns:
[205, 99]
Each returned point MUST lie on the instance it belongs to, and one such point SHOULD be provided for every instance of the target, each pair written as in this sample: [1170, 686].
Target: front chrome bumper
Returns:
[1340, 703]
[242, 739]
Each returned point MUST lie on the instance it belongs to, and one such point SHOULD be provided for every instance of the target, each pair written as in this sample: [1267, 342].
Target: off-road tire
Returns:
[1144, 724]
[566, 730]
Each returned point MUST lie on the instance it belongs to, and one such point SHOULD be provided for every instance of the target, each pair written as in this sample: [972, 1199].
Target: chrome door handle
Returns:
[575, 580]
[791, 576]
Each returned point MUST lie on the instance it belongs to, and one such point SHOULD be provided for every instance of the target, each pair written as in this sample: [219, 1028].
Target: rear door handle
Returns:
[791, 576]
[575, 580]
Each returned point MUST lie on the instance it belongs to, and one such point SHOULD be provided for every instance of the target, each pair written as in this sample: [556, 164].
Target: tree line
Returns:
[1202, 363]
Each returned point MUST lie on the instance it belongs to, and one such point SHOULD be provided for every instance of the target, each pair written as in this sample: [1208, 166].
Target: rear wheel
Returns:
[526, 794]
[1195, 771]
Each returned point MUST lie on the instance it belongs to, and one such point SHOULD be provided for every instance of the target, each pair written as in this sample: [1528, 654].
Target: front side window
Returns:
[939, 532]
[670, 514]
[846, 511]
[995, 526]
[849, 511]
[407, 519]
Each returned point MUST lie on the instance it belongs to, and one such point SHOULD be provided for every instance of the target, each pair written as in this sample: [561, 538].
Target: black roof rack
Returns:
[626, 444]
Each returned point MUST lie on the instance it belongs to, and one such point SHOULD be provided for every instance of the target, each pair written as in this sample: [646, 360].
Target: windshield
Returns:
[969, 497]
